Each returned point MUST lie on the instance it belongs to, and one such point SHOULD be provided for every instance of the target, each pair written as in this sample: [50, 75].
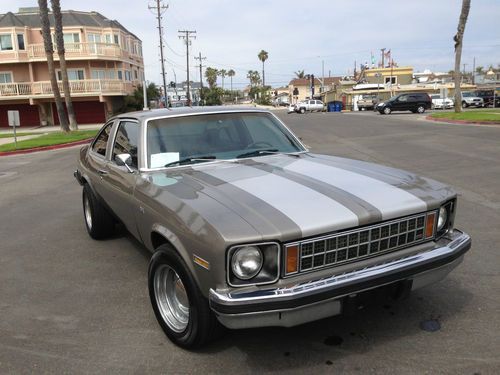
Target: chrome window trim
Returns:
[91, 148]
[230, 252]
[115, 132]
[357, 230]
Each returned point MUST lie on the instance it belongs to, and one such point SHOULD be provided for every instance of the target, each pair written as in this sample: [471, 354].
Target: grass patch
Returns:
[53, 138]
[11, 135]
[492, 115]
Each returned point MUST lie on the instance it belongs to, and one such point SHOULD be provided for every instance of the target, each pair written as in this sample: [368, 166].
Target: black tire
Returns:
[100, 224]
[464, 105]
[202, 325]
[302, 110]
[387, 111]
[420, 109]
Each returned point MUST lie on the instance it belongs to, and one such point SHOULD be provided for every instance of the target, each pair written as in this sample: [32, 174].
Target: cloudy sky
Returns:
[300, 35]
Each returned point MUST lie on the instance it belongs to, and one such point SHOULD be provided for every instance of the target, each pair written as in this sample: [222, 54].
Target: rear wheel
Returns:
[302, 110]
[99, 222]
[181, 310]
[387, 111]
[420, 109]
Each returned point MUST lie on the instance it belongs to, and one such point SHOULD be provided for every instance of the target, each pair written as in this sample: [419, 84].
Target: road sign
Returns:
[14, 122]
[13, 118]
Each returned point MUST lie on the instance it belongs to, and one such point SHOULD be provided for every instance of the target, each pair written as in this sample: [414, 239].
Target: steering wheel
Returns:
[259, 144]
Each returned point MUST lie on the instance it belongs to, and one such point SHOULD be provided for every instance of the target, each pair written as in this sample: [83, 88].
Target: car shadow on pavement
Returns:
[331, 339]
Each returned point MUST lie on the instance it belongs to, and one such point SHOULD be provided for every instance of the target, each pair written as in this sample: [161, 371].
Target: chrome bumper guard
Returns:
[318, 299]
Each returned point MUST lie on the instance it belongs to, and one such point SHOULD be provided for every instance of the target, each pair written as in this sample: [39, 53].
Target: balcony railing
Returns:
[82, 87]
[78, 50]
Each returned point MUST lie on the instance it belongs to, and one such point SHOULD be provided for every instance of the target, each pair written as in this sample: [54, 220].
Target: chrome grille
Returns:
[349, 246]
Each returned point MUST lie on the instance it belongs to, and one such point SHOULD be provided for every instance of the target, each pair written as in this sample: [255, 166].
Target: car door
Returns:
[98, 163]
[401, 104]
[119, 182]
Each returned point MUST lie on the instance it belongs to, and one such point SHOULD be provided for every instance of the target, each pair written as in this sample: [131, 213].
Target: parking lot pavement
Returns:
[69, 304]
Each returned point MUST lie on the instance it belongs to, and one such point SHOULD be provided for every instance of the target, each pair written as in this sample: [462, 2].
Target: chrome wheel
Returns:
[171, 298]
[387, 110]
[87, 211]
[420, 109]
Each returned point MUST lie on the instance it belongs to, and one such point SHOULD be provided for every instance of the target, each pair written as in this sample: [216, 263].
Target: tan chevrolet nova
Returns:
[249, 229]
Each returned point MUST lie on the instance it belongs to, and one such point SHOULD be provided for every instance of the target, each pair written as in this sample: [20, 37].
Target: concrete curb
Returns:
[46, 148]
[461, 121]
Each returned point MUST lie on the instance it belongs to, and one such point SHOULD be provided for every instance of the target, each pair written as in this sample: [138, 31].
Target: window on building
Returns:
[391, 80]
[5, 77]
[120, 75]
[116, 39]
[110, 74]
[6, 42]
[20, 42]
[71, 38]
[108, 38]
[135, 75]
[73, 74]
[98, 74]
[127, 140]
[128, 76]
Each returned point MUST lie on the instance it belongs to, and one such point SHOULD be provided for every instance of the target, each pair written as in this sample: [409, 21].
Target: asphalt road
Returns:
[69, 304]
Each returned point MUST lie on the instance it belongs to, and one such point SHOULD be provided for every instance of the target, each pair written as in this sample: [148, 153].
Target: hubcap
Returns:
[171, 298]
[420, 109]
[87, 212]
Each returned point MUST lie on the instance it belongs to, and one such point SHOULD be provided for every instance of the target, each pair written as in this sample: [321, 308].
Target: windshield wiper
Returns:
[257, 153]
[190, 159]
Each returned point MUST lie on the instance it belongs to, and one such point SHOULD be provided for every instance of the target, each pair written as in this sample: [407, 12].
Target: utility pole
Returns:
[473, 70]
[383, 54]
[187, 39]
[201, 66]
[160, 9]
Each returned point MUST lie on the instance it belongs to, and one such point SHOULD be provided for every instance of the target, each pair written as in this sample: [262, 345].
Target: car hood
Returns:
[286, 197]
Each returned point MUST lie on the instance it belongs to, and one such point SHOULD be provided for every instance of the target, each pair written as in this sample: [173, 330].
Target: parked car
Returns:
[367, 101]
[291, 108]
[441, 103]
[470, 99]
[309, 106]
[250, 229]
[414, 102]
[488, 98]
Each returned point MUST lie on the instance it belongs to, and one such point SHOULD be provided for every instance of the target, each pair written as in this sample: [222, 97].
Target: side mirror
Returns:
[124, 160]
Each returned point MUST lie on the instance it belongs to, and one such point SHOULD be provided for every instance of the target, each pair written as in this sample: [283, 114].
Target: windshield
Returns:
[197, 138]
[467, 94]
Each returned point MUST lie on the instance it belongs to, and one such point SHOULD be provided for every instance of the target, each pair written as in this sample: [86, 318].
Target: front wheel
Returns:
[302, 110]
[464, 105]
[387, 111]
[181, 310]
[420, 109]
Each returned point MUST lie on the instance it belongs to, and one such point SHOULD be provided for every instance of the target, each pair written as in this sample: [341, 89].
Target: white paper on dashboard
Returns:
[159, 160]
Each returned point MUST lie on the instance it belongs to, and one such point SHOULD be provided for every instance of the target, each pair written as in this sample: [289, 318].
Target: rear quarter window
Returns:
[101, 141]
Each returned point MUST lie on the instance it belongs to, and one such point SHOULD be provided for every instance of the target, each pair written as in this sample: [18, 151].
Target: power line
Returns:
[186, 35]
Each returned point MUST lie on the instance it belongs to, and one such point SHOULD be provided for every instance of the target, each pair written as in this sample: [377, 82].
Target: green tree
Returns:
[263, 56]
[300, 74]
[212, 96]
[231, 73]
[211, 76]
[135, 101]
[458, 52]
[49, 53]
[480, 70]
[254, 78]
[222, 74]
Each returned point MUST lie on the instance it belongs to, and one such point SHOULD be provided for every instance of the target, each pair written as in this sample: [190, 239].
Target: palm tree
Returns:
[480, 70]
[211, 76]
[458, 52]
[300, 74]
[263, 55]
[231, 73]
[56, 10]
[222, 74]
[49, 53]
[254, 77]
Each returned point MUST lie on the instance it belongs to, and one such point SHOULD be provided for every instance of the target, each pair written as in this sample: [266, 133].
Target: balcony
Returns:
[43, 89]
[74, 51]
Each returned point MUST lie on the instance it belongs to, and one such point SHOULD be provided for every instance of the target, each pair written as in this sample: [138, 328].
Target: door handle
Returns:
[102, 172]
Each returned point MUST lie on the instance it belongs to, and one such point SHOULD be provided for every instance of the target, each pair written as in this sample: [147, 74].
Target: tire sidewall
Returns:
[420, 109]
[387, 111]
[166, 255]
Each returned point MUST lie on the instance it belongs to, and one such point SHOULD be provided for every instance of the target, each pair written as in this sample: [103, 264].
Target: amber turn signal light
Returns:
[429, 225]
[292, 257]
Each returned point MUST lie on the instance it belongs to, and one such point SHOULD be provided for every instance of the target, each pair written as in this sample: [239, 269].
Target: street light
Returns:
[492, 75]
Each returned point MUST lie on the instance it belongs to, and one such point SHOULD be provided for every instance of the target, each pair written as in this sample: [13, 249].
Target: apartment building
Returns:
[104, 62]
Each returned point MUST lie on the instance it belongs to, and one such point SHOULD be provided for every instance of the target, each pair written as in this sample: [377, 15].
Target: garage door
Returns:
[86, 112]
[28, 114]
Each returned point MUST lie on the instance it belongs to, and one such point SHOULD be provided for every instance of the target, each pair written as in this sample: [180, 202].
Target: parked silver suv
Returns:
[471, 99]
[309, 106]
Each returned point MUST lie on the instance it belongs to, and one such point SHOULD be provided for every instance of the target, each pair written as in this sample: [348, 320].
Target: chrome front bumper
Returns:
[322, 298]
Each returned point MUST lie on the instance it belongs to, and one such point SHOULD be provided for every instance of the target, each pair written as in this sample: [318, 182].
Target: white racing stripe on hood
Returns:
[390, 200]
[313, 212]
